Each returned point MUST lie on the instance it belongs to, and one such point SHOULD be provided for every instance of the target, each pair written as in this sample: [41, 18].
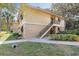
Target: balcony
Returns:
[56, 23]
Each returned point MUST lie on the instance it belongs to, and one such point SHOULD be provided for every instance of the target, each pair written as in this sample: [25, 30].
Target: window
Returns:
[22, 29]
[21, 17]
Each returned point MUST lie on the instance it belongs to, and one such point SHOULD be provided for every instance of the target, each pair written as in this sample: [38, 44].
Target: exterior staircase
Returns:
[47, 29]
[43, 30]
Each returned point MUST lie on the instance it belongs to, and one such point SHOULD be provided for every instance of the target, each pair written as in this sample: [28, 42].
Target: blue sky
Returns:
[41, 5]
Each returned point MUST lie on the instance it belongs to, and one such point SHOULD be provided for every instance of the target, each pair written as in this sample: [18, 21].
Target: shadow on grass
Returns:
[14, 36]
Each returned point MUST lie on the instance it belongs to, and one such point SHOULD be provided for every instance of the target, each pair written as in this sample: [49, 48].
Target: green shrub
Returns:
[75, 31]
[13, 36]
[16, 35]
[4, 25]
[64, 37]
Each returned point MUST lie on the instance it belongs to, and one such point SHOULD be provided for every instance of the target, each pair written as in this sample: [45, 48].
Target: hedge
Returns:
[64, 37]
[74, 31]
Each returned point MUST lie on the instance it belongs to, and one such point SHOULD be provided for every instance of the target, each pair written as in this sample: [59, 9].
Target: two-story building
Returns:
[38, 22]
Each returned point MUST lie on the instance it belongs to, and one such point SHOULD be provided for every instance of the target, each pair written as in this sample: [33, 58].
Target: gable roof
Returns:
[45, 11]
[42, 10]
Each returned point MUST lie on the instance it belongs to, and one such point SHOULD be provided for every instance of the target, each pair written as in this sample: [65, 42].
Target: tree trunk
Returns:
[8, 23]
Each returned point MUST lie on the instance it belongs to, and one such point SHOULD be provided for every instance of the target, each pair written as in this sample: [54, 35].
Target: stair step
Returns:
[44, 30]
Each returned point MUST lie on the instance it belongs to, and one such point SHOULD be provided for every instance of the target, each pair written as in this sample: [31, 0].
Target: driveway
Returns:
[43, 40]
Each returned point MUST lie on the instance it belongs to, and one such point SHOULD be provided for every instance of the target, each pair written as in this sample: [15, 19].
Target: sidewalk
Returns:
[44, 40]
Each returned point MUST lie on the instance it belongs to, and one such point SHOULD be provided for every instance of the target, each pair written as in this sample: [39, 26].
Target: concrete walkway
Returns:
[44, 40]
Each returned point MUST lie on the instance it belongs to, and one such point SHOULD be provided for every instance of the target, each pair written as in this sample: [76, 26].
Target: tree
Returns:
[67, 10]
[8, 11]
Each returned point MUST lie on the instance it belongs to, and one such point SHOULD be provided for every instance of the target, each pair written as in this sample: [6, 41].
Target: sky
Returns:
[41, 5]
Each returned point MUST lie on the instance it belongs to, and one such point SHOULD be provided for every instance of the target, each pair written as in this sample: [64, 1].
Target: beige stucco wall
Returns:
[31, 30]
[35, 21]
[62, 24]
[36, 16]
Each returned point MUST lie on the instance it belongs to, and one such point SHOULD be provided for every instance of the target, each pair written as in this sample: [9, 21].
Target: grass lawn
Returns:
[38, 49]
[4, 36]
